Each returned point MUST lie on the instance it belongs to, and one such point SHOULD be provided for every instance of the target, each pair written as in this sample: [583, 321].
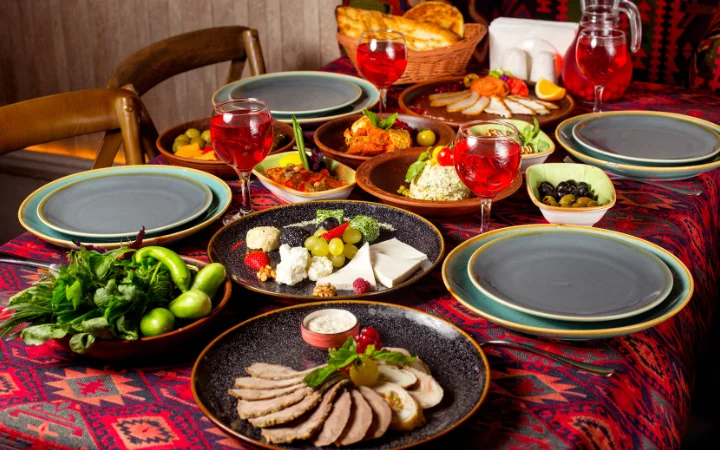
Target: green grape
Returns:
[310, 242]
[349, 251]
[320, 248]
[337, 260]
[352, 236]
[182, 138]
[205, 135]
[336, 246]
[320, 232]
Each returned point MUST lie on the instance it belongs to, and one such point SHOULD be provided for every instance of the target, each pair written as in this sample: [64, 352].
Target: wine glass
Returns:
[242, 136]
[382, 59]
[487, 160]
[601, 53]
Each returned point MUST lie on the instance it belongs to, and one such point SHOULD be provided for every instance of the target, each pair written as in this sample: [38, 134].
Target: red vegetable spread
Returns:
[296, 177]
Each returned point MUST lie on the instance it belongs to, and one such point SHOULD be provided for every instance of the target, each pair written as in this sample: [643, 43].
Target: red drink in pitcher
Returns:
[383, 64]
[601, 64]
[582, 88]
[240, 139]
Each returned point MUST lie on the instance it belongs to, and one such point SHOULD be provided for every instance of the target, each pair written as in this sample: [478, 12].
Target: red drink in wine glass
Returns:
[487, 158]
[382, 59]
[601, 54]
[242, 136]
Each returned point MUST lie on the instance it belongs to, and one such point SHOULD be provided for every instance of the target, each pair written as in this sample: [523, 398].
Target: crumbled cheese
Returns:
[320, 266]
[293, 264]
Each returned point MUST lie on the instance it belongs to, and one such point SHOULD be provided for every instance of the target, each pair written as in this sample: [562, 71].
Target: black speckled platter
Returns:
[228, 245]
[456, 362]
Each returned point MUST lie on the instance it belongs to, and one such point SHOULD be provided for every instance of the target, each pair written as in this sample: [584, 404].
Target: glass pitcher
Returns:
[604, 14]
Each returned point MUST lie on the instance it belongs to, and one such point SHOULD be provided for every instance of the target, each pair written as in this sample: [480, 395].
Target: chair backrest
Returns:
[70, 114]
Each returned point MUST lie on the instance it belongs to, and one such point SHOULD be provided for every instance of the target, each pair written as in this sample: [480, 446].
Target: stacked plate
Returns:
[313, 97]
[643, 144]
[567, 282]
[108, 207]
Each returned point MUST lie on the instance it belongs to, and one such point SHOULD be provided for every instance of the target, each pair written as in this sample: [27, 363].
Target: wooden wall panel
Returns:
[52, 46]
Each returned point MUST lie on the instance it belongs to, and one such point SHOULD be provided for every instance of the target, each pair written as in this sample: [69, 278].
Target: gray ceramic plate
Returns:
[649, 138]
[228, 245]
[570, 276]
[456, 362]
[299, 93]
[116, 205]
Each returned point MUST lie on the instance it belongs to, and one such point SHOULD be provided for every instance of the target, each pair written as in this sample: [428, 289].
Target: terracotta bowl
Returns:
[218, 168]
[329, 137]
[148, 347]
[382, 175]
[325, 341]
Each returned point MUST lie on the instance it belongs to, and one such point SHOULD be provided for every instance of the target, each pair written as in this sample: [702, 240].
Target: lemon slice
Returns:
[548, 91]
[290, 159]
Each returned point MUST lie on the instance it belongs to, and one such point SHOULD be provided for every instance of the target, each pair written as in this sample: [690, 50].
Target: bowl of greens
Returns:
[125, 303]
[536, 144]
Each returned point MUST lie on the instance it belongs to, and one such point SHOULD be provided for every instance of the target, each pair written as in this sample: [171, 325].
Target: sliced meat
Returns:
[478, 107]
[448, 94]
[361, 418]
[532, 104]
[259, 383]
[248, 408]
[406, 412]
[518, 108]
[428, 391]
[305, 427]
[335, 422]
[448, 99]
[263, 394]
[276, 372]
[394, 374]
[417, 364]
[382, 414]
[294, 411]
[548, 105]
[464, 103]
[497, 106]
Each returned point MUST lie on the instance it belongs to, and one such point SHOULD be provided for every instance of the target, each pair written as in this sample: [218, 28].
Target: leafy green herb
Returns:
[530, 136]
[375, 121]
[497, 73]
[300, 143]
[417, 167]
[347, 355]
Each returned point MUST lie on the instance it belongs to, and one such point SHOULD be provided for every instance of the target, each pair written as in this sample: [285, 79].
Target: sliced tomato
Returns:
[518, 87]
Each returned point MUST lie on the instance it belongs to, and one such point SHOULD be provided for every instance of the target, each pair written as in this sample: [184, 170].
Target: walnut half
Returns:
[266, 273]
[324, 290]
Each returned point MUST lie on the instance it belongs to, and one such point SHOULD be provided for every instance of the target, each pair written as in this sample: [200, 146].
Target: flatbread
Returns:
[438, 13]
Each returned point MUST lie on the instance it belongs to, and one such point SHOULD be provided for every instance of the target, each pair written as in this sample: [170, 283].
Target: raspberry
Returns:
[361, 286]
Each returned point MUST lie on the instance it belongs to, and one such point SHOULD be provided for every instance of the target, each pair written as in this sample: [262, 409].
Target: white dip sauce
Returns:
[330, 321]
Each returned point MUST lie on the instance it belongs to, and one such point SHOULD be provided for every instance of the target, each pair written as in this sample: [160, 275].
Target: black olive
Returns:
[583, 184]
[330, 223]
[583, 192]
[546, 189]
[571, 182]
[562, 190]
[562, 185]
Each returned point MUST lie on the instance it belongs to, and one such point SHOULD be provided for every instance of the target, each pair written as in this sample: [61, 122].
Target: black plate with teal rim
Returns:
[228, 248]
[455, 360]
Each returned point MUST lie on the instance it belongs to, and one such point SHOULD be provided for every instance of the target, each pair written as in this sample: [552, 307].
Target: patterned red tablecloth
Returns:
[49, 398]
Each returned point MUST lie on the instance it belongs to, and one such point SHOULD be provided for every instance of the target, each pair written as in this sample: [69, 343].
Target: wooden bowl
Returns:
[382, 175]
[329, 137]
[156, 346]
[165, 142]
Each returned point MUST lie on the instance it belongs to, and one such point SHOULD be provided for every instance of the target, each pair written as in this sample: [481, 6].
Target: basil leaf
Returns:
[79, 343]
[414, 170]
[74, 293]
[39, 334]
[342, 358]
[372, 117]
[370, 350]
[541, 146]
[388, 122]
[424, 156]
[393, 357]
[318, 376]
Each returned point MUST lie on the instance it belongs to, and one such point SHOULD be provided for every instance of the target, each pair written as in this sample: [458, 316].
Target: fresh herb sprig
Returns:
[375, 121]
[530, 136]
[417, 167]
[347, 355]
[297, 131]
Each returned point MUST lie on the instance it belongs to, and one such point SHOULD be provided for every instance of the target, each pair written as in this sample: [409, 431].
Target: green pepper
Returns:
[209, 279]
[177, 267]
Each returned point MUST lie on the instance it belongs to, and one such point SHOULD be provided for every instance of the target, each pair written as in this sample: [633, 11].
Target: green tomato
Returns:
[192, 133]
[199, 141]
[206, 136]
[182, 138]
[158, 321]
[426, 138]
[192, 305]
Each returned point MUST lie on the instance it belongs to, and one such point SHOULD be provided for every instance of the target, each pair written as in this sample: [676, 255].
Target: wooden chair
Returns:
[162, 60]
[61, 116]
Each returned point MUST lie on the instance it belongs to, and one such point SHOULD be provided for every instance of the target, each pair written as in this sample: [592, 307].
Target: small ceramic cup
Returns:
[515, 61]
[328, 317]
[543, 66]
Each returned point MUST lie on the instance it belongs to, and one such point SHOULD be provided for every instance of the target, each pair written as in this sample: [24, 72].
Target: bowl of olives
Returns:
[189, 145]
[573, 194]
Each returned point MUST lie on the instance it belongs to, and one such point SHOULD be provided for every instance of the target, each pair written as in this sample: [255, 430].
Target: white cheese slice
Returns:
[397, 249]
[392, 271]
[358, 267]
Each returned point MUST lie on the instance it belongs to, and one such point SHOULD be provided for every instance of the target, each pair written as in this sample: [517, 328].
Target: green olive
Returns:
[578, 205]
[182, 138]
[199, 141]
[192, 133]
[206, 136]
[592, 203]
[583, 201]
[567, 200]
[177, 145]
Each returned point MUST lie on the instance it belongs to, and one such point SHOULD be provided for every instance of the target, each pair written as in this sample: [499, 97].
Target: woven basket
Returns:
[434, 64]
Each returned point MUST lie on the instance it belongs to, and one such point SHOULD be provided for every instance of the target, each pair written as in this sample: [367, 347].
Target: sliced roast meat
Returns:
[249, 408]
[382, 414]
[263, 394]
[427, 392]
[406, 412]
[417, 364]
[394, 374]
[361, 418]
[335, 422]
[276, 371]
[293, 412]
[304, 427]
[259, 383]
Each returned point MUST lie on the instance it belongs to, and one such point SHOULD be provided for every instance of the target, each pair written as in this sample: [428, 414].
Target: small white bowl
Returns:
[534, 159]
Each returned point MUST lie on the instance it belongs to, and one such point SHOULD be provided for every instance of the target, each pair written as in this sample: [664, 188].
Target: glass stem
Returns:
[485, 204]
[383, 100]
[245, 204]
[598, 98]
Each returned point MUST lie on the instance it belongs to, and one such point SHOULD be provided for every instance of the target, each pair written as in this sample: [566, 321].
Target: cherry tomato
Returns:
[426, 138]
[368, 336]
[445, 157]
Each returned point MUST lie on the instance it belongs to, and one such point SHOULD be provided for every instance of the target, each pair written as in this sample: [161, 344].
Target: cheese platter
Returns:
[328, 250]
